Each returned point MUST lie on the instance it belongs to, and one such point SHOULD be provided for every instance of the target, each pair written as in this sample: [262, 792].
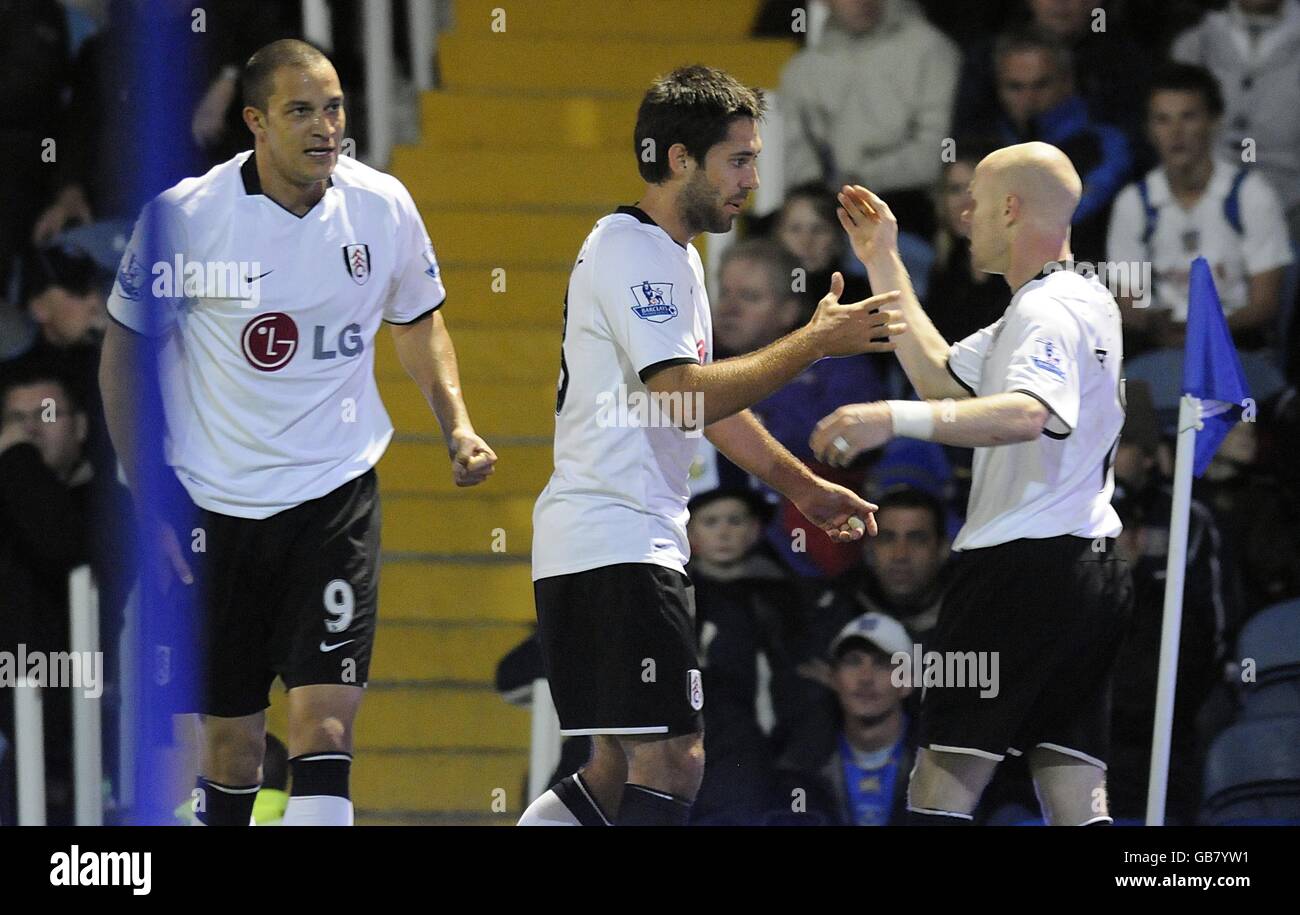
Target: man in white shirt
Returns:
[1198, 204]
[259, 289]
[1039, 592]
[614, 606]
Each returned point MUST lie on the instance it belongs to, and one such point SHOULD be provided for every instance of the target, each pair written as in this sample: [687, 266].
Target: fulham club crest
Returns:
[357, 260]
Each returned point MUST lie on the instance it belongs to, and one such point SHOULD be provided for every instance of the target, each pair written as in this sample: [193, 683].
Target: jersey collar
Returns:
[642, 216]
[253, 185]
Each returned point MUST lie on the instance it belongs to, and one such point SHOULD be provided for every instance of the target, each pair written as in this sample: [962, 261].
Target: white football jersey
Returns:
[1059, 341]
[268, 322]
[618, 494]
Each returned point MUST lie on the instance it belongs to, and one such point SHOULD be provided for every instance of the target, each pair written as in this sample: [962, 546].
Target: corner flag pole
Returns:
[1189, 421]
[1214, 394]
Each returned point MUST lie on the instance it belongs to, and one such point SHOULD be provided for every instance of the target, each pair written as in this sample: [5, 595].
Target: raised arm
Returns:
[922, 352]
[836, 329]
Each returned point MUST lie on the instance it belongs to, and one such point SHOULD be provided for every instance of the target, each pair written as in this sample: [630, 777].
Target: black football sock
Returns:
[216, 804]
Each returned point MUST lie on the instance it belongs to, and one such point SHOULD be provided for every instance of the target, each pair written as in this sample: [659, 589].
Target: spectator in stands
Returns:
[871, 104]
[808, 228]
[1111, 68]
[64, 294]
[1036, 89]
[960, 299]
[99, 140]
[1198, 204]
[33, 69]
[754, 307]
[1251, 489]
[1253, 50]
[748, 615]
[902, 573]
[856, 775]
[44, 531]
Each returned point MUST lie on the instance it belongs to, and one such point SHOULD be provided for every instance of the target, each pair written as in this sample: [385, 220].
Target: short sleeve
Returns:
[1124, 233]
[1266, 245]
[647, 301]
[416, 290]
[136, 302]
[1045, 362]
[966, 357]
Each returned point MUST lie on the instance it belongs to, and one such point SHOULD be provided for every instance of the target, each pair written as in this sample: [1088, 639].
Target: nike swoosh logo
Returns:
[324, 647]
[251, 279]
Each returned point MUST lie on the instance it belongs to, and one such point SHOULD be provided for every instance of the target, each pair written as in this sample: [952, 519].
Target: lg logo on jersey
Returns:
[270, 341]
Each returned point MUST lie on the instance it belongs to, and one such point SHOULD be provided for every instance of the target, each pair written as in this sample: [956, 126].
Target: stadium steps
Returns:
[524, 147]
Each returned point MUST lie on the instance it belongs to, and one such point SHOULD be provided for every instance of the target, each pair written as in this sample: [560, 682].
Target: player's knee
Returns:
[951, 782]
[320, 734]
[234, 755]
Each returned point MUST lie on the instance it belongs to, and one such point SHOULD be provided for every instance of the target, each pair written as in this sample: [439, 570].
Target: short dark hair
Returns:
[1033, 38]
[779, 263]
[259, 72]
[821, 198]
[905, 496]
[693, 106]
[67, 268]
[1175, 77]
[28, 377]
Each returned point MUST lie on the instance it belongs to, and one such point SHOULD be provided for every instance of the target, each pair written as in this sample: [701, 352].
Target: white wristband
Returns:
[912, 418]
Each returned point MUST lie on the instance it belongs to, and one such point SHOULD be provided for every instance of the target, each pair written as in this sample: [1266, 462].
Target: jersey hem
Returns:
[601, 562]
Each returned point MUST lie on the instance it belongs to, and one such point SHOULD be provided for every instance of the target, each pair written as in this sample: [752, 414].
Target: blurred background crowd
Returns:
[1178, 114]
[1175, 116]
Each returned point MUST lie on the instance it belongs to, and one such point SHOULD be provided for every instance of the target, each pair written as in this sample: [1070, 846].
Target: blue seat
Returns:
[1252, 771]
[1272, 638]
[1277, 699]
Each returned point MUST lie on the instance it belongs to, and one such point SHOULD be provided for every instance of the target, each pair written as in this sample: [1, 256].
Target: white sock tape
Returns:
[912, 418]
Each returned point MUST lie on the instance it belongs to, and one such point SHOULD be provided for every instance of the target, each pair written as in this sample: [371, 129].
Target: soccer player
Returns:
[274, 419]
[614, 605]
[1038, 579]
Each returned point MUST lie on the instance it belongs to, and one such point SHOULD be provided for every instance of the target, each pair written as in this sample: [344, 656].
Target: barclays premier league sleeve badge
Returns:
[654, 302]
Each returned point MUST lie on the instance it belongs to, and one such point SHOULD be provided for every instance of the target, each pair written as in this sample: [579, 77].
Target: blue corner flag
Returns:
[1211, 369]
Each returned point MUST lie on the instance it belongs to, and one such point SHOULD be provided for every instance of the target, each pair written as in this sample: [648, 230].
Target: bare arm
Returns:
[121, 378]
[980, 422]
[922, 352]
[744, 441]
[727, 387]
[429, 357]
[119, 368]
[1264, 294]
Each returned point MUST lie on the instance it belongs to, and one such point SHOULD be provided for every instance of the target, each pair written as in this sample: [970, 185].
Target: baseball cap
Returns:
[885, 632]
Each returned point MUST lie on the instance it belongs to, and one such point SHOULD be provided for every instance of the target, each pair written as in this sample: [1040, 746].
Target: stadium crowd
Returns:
[1165, 111]
[1178, 115]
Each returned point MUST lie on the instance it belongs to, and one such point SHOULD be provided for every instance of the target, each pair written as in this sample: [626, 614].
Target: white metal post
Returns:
[29, 747]
[87, 723]
[316, 25]
[1189, 421]
[378, 55]
[420, 19]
